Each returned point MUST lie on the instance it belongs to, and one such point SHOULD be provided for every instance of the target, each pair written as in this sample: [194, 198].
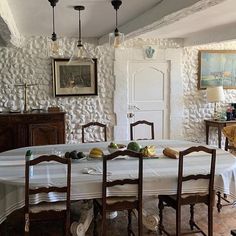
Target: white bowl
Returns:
[121, 147]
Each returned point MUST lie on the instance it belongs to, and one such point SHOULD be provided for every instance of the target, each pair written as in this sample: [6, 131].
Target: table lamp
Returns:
[215, 94]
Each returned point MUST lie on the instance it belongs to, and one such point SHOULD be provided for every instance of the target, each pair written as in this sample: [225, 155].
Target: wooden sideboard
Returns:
[31, 129]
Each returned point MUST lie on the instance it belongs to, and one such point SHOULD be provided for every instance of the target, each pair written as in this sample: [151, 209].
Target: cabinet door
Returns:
[7, 138]
[43, 134]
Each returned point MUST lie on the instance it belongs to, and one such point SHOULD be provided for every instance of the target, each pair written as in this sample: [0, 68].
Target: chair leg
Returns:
[104, 224]
[161, 207]
[178, 221]
[191, 221]
[210, 220]
[130, 230]
[140, 223]
[218, 205]
[95, 214]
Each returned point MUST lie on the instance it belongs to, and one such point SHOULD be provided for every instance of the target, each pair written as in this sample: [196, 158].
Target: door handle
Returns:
[130, 115]
[133, 107]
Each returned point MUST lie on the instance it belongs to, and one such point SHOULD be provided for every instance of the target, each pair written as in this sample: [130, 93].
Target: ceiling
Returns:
[34, 17]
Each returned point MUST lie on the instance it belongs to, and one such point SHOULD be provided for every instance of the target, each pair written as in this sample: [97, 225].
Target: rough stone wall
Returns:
[196, 107]
[31, 64]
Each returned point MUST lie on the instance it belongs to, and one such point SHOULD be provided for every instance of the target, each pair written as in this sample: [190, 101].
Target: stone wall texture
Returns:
[30, 64]
[196, 107]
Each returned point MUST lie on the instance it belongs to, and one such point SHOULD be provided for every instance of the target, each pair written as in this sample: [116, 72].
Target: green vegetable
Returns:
[80, 155]
[134, 146]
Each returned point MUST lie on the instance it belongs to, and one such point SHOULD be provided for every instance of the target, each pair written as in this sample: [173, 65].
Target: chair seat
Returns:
[46, 206]
[112, 200]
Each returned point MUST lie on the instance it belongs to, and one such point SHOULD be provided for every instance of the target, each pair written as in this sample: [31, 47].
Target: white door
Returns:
[149, 97]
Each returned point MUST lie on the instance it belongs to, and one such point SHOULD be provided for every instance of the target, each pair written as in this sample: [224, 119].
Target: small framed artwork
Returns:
[216, 68]
[77, 79]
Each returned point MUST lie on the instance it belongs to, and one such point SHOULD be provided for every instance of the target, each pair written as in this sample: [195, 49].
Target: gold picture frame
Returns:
[216, 68]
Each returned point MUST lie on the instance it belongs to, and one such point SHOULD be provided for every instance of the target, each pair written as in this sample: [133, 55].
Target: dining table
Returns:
[159, 172]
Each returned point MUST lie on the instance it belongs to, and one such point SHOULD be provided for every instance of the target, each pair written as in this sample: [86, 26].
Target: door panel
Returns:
[7, 138]
[43, 134]
[148, 97]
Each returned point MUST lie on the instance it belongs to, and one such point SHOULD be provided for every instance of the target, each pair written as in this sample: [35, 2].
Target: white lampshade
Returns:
[215, 94]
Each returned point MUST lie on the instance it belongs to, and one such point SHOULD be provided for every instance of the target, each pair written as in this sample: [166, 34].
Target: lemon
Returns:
[96, 153]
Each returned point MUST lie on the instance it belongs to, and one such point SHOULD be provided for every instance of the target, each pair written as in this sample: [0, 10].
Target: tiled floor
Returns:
[223, 222]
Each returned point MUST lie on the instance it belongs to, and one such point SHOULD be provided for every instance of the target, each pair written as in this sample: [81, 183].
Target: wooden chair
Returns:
[99, 125]
[180, 199]
[141, 122]
[231, 148]
[109, 204]
[47, 211]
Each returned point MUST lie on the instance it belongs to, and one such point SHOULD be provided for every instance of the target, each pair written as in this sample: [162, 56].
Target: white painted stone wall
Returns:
[196, 107]
[31, 64]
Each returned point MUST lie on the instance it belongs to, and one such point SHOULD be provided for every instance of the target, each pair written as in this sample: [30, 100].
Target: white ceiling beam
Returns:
[161, 15]
[9, 33]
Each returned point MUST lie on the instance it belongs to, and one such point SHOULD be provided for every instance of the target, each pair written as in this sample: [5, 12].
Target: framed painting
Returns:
[76, 79]
[217, 67]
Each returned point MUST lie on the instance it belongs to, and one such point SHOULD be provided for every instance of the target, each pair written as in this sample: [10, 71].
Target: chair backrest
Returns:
[47, 189]
[138, 181]
[99, 125]
[141, 122]
[208, 176]
[230, 140]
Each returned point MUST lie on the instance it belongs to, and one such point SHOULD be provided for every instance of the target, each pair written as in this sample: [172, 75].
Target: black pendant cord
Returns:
[80, 40]
[53, 3]
[116, 4]
[54, 35]
[116, 32]
[116, 18]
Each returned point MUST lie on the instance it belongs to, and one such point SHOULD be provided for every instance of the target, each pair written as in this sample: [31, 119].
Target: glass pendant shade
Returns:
[54, 44]
[80, 53]
[116, 39]
[54, 47]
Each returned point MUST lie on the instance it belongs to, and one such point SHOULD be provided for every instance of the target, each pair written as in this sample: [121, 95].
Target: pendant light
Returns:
[116, 39]
[80, 54]
[54, 44]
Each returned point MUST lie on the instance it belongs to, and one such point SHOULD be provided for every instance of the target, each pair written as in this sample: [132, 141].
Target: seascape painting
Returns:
[217, 68]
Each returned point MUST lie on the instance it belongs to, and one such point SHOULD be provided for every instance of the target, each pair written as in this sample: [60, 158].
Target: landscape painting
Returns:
[217, 67]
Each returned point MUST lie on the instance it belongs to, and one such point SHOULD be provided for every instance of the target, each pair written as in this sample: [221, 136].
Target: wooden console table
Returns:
[219, 125]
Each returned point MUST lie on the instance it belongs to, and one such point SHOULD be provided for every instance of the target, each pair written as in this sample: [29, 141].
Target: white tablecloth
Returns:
[160, 175]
